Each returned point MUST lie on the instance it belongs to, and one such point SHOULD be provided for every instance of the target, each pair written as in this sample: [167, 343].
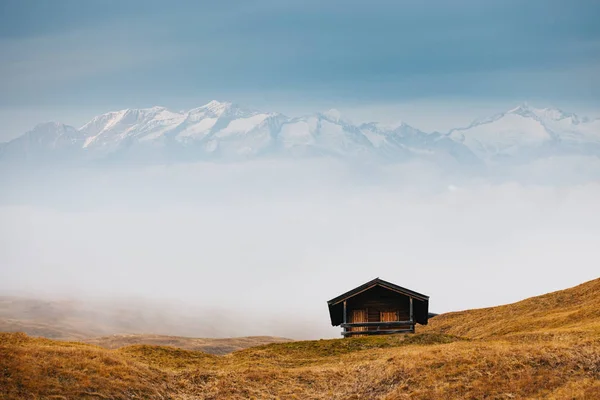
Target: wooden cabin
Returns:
[378, 307]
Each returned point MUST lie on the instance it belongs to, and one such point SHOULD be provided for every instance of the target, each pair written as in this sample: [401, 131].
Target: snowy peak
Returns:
[45, 141]
[522, 109]
[49, 126]
[549, 113]
[50, 130]
[103, 121]
[222, 121]
[333, 115]
[388, 127]
[217, 107]
[557, 115]
[322, 133]
[127, 117]
[108, 130]
[526, 111]
[213, 108]
[523, 130]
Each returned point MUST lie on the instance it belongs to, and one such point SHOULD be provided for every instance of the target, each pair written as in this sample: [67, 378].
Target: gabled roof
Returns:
[373, 283]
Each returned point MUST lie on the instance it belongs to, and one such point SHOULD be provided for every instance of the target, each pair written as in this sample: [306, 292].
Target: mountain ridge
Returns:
[226, 131]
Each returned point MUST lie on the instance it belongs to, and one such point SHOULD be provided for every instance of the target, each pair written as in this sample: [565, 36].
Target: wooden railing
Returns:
[384, 332]
[377, 323]
[382, 328]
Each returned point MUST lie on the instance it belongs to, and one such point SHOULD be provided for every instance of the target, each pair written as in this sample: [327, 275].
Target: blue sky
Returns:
[417, 60]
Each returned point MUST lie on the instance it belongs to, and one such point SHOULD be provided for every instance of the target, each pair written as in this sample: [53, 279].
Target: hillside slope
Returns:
[574, 311]
[486, 363]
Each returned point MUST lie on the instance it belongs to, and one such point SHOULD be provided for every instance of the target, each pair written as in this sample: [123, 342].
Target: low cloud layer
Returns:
[259, 248]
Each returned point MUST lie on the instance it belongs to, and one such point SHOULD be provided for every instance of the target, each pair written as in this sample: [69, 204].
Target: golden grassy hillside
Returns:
[574, 311]
[484, 361]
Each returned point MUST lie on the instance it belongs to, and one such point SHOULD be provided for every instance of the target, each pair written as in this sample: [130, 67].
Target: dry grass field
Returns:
[546, 347]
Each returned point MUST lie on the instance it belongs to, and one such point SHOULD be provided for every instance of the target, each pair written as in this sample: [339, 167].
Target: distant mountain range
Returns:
[221, 131]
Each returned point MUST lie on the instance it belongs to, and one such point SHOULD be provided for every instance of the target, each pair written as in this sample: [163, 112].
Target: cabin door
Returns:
[358, 316]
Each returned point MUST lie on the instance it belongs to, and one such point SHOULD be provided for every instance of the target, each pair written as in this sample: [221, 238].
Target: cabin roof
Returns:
[377, 282]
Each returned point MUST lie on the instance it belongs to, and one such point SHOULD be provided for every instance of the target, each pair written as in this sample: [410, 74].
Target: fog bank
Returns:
[268, 244]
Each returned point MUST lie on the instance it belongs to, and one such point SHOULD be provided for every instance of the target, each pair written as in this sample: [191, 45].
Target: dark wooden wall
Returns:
[377, 300]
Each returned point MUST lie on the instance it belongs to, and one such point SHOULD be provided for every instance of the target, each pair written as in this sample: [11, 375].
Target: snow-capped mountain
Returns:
[107, 132]
[524, 132]
[226, 131]
[46, 141]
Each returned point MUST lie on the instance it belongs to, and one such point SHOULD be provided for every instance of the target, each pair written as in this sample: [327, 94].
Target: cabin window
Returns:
[389, 316]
